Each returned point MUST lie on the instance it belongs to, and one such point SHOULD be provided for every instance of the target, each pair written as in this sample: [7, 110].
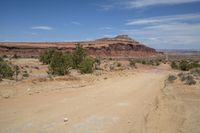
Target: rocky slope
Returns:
[119, 46]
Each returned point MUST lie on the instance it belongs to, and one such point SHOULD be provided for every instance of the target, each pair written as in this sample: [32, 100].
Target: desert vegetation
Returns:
[6, 70]
[132, 63]
[188, 78]
[171, 78]
[86, 66]
[148, 61]
[47, 55]
[11, 71]
[60, 63]
[78, 56]
[185, 65]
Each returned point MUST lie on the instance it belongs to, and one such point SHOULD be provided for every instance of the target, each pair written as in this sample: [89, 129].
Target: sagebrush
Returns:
[87, 65]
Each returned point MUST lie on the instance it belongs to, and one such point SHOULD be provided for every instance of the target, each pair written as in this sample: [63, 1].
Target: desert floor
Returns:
[129, 101]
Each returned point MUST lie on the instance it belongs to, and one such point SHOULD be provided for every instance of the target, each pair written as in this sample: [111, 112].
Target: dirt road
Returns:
[116, 105]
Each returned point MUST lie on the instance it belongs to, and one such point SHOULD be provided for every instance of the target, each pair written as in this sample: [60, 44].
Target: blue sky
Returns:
[170, 24]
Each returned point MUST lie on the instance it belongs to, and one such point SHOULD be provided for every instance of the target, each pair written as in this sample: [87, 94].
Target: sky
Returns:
[161, 24]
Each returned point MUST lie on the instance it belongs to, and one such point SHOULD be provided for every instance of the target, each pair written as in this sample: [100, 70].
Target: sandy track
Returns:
[117, 105]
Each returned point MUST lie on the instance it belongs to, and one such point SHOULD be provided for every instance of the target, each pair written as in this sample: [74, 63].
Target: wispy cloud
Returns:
[145, 3]
[76, 23]
[107, 7]
[136, 4]
[172, 36]
[105, 28]
[41, 28]
[176, 31]
[164, 19]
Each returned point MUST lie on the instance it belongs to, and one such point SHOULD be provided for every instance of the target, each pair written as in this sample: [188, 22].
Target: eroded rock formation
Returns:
[119, 46]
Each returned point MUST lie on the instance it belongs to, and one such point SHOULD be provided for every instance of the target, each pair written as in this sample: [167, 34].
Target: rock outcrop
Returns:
[120, 46]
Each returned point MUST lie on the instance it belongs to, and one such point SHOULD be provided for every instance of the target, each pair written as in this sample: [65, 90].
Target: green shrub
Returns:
[171, 78]
[47, 55]
[1, 59]
[69, 59]
[78, 56]
[6, 70]
[184, 65]
[157, 63]
[60, 64]
[86, 65]
[144, 62]
[25, 74]
[194, 64]
[153, 62]
[174, 65]
[132, 63]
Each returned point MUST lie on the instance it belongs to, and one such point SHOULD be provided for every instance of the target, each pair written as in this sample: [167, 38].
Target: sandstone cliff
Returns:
[119, 46]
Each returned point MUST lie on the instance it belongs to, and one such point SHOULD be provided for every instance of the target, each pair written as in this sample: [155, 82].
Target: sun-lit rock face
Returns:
[117, 38]
[119, 46]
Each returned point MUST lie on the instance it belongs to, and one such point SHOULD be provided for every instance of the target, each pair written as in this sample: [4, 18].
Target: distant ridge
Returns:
[181, 51]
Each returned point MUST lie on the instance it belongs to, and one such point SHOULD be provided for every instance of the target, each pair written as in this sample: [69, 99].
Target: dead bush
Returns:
[187, 78]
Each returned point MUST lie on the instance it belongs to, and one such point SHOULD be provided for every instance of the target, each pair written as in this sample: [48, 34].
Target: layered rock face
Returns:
[120, 46]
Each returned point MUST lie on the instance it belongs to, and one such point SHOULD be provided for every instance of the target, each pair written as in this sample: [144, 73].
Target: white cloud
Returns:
[164, 19]
[176, 35]
[41, 28]
[131, 4]
[145, 3]
[176, 31]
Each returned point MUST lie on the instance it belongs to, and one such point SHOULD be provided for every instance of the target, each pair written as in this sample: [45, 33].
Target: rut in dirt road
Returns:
[119, 105]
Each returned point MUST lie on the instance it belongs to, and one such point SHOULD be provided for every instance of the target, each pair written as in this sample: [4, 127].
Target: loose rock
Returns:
[66, 119]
